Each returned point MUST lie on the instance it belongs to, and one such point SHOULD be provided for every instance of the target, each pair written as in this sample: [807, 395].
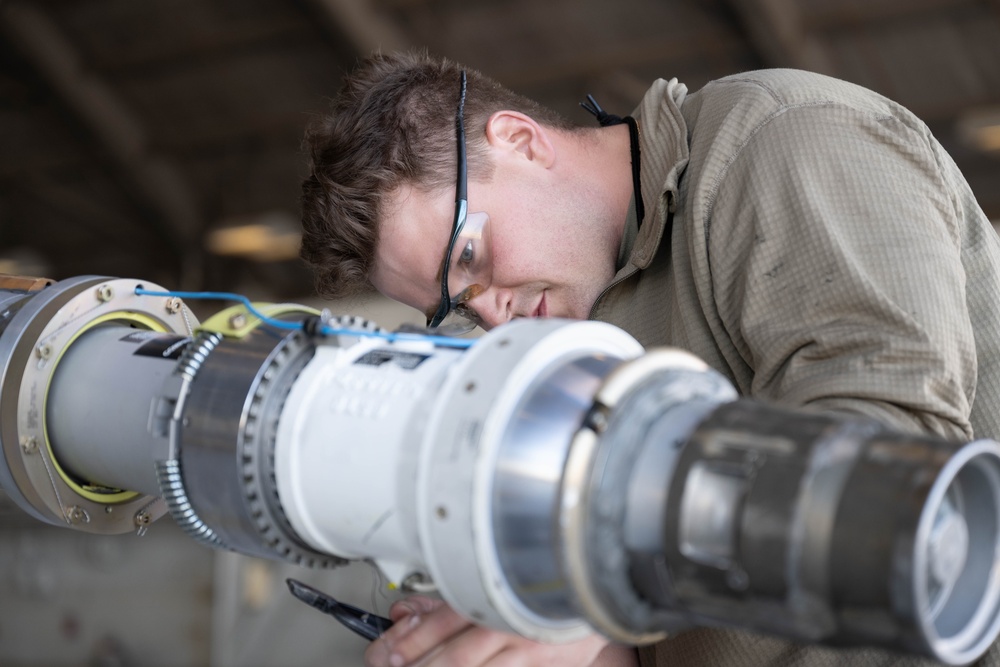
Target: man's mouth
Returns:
[541, 310]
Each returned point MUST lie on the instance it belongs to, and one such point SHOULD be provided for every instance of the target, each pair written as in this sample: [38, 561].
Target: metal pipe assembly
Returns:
[550, 479]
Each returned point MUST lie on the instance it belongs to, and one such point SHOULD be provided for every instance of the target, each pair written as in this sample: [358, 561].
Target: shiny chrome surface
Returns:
[526, 484]
[225, 441]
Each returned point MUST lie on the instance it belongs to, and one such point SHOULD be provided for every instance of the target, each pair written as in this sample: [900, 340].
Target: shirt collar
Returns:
[663, 141]
[628, 236]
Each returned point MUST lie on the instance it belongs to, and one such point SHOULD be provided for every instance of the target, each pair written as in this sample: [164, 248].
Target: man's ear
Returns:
[514, 131]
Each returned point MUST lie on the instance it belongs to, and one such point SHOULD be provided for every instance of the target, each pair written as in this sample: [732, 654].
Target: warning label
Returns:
[405, 360]
[160, 345]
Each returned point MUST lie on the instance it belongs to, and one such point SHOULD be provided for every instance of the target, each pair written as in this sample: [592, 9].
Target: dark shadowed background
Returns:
[160, 139]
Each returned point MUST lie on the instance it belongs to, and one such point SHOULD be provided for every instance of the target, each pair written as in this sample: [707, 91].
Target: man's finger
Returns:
[415, 604]
[425, 633]
[473, 646]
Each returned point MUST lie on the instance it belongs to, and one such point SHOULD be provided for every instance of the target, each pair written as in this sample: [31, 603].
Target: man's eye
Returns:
[468, 254]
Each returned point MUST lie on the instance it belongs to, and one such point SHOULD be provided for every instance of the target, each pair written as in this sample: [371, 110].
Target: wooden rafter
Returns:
[367, 30]
[599, 62]
[153, 180]
[833, 16]
[778, 33]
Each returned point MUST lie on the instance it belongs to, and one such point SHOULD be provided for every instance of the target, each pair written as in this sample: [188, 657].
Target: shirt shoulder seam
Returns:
[781, 110]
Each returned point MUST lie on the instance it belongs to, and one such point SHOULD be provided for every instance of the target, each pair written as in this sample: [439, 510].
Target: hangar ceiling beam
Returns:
[778, 33]
[368, 30]
[155, 183]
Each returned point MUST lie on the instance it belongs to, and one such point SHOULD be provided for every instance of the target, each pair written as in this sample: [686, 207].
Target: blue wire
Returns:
[441, 341]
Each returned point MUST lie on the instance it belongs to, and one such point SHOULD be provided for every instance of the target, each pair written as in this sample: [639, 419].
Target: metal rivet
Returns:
[77, 514]
[29, 444]
[44, 351]
[238, 320]
[142, 519]
[105, 293]
[173, 305]
[738, 579]
[598, 421]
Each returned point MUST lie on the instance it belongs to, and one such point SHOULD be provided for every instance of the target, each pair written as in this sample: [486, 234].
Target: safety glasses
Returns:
[468, 260]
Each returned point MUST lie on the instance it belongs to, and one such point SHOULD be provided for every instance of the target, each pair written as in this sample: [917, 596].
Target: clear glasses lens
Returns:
[461, 318]
[470, 274]
[471, 258]
[458, 321]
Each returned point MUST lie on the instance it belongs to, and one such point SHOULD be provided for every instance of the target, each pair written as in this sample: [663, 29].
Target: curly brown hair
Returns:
[393, 123]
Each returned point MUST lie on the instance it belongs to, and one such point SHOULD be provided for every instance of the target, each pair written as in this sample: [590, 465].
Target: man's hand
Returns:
[428, 633]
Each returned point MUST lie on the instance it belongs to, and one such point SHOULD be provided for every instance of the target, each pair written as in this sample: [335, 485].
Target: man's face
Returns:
[548, 260]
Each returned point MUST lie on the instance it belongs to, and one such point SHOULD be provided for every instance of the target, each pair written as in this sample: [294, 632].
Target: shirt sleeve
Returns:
[834, 247]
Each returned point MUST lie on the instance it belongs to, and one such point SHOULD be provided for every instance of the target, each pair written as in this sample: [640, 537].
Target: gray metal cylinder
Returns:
[24, 316]
[626, 503]
[225, 442]
[106, 421]
[837, 530]
[816, 527]
[37, 332]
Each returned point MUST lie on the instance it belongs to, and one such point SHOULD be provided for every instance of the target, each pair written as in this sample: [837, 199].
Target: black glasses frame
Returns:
[461, 210]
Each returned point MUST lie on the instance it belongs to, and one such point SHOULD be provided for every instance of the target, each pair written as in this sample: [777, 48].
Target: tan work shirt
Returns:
[823, 250]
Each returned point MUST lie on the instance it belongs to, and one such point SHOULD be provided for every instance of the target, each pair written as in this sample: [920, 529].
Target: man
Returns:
[807, 238]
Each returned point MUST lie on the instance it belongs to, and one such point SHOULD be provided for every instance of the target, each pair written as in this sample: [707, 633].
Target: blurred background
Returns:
[160, 139]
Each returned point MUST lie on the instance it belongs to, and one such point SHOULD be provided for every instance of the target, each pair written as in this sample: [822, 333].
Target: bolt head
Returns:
[77, 514]
[29, 444]
[597, 421]
[738, 579]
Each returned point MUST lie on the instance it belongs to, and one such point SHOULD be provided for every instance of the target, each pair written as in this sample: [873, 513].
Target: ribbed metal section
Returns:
[168, 473]
[196, 353]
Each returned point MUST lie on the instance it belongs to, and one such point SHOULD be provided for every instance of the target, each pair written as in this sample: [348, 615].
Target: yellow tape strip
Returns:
[237, 322]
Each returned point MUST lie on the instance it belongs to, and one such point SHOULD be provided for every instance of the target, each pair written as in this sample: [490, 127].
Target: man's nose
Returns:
[493, 307]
